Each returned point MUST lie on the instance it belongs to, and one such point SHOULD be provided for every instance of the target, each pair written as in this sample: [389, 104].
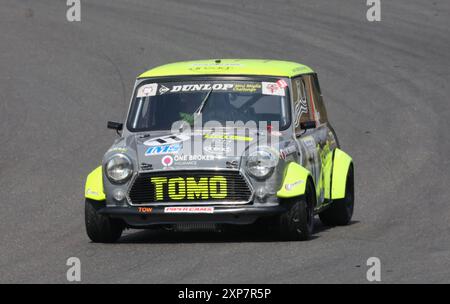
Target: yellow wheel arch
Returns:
[341, 163]
[294, 182]
[94, 185]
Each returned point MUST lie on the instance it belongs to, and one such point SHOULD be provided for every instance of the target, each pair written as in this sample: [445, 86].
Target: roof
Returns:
[260, 67]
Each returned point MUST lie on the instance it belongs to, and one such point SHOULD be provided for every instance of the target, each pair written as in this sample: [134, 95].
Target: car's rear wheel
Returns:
[101, 228]
[297, 224]
[341, 211]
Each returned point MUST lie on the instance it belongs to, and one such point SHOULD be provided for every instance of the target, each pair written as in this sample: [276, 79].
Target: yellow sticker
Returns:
[229, 137]
[179, 188]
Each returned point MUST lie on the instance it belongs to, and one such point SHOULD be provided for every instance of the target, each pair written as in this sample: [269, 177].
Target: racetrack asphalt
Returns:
[386, 86]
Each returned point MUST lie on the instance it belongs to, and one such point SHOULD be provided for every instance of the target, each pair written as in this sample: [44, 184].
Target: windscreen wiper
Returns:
[203, 104]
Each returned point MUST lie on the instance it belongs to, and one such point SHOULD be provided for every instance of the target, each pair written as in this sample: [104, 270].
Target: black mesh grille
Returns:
[189, 186]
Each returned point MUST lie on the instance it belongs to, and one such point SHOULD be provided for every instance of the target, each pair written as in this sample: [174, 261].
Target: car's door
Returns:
[308, 107]
[328, 140]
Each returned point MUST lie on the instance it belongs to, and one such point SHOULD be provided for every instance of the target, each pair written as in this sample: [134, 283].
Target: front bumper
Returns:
[148, 216]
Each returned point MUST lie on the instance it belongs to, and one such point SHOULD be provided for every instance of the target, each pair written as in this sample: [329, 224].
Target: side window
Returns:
[320, 106]
[302, 111]
[314, 99]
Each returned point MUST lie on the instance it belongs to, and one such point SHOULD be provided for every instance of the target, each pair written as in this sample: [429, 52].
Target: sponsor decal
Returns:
[185, 160]
[232, 164]
[146, 167]
[218, 146]
[147, 90]
[145, 210]
[300, 108]
[247, 87]
[272, 88]
[194, 157]
[191, 160]
[166, 140]
[90, 192]
[282, 84]
[163, 89]
[215, 64]
[173, 88]
[166, 149]
[190, 188]
[198, 87]
[290, 187]
[266, 88]
[216, 68]
[300, 105]
[309, 142]
[228, 137]
[189, 210]
[167, 161]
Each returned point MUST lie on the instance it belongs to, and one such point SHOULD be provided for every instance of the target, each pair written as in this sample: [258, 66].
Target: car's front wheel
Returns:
[101, 228]
[297, 224]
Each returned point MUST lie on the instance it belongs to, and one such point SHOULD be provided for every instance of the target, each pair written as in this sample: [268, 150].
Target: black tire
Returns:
[297, 224]
[341, 211]
[100, 228]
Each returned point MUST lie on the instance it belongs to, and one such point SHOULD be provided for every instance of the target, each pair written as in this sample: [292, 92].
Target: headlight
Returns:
[261, 163]
[119, 169]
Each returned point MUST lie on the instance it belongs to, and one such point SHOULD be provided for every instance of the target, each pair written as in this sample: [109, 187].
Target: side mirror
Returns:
[308, 125]
[115, 126]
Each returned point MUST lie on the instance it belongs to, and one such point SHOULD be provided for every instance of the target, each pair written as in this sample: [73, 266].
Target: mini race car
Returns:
[222, 143]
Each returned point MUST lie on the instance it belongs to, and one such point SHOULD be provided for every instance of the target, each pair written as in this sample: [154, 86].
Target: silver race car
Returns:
[216, 143]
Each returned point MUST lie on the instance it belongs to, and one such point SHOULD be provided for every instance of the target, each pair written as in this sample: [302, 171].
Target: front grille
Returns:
[189, 186]
[205, 227]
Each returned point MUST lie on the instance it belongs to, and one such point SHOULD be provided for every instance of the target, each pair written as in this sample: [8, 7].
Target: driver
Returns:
[189, 102]
[218, 108]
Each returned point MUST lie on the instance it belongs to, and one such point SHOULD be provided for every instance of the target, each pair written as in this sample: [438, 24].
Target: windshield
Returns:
[157, 106]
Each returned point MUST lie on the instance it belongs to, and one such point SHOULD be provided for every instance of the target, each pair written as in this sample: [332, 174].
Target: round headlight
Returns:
[261, 163]
[119, 168]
